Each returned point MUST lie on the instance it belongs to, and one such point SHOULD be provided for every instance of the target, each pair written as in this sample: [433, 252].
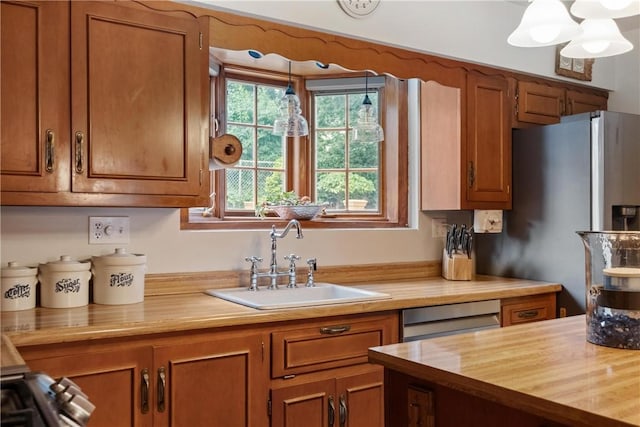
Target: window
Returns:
[347, 173]
[251, 108]
[362, 184]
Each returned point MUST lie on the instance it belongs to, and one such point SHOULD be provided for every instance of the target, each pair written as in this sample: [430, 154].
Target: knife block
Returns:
[458, 267]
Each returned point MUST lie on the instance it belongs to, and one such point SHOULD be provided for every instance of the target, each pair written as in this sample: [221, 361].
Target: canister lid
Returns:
[622, 272]
[120, 257]
[13, 269]
[65, 263]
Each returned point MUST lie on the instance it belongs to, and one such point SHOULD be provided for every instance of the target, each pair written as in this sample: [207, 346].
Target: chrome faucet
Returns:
[273, 272]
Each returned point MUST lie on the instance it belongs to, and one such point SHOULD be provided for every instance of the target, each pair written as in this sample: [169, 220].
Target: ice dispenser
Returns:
[625, 218]
[612, 268]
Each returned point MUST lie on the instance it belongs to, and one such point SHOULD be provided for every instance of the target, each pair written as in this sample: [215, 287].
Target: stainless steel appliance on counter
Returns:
[580, 174]
[450, 319]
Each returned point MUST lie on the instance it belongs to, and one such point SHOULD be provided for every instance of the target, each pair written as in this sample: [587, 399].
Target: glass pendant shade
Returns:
[599, 38]
[290, 122]
[544, 23]
[605, 8]
[366, 128]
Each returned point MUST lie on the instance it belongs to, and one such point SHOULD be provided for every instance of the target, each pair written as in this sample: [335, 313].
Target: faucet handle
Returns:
[292, 258]
[311, 262]
[254, 260]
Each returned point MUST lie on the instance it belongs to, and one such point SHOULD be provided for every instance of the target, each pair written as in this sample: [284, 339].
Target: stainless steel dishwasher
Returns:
[433, 321]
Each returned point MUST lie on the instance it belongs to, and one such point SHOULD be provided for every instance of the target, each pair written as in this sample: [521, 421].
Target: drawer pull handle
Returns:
[162, 385]
[144, 390]
[332, 411]
[333, 330]
[529, 314]
[343, 411]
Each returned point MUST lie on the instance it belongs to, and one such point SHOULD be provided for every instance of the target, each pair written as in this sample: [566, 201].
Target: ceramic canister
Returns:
[18, 287]
[118, 278]
[64, 283]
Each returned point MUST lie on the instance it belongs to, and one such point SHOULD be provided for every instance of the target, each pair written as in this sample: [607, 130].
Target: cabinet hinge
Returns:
[269, 407]
[517, 95]
[200, 41]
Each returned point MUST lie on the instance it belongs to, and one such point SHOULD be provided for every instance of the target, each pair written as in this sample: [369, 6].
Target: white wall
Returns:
[470, 30]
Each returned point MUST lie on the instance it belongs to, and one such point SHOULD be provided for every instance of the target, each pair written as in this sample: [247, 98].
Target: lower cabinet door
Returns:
[220, 382]
[361, 399]
[355, 400]
[115, 382]
[312, 404]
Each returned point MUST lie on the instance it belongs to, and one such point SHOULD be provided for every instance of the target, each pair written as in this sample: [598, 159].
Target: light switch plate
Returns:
[438, 227]
[108, 230]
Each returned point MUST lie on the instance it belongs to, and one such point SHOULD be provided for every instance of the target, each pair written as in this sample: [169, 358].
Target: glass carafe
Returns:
[612, 267]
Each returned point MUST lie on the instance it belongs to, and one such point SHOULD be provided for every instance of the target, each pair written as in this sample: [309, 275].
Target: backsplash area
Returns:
[32, 235]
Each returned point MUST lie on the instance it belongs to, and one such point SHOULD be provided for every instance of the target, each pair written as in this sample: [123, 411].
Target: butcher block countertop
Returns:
[544, 368]
[170, 313]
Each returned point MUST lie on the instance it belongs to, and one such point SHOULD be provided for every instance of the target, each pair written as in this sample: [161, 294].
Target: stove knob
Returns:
[72, 401]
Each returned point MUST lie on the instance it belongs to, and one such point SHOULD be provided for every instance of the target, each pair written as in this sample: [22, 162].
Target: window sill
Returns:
[195, 221]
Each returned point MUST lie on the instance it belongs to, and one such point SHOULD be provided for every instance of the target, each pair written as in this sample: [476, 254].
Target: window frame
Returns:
[393, 209]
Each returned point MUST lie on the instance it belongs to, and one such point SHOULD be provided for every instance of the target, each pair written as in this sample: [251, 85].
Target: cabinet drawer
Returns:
[329, 344]
[528, 309]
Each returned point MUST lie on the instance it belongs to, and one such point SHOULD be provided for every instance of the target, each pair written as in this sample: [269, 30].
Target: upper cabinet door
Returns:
[34, 122]
[488, 154]
[136, 101]
[538, 103]
[578, 102]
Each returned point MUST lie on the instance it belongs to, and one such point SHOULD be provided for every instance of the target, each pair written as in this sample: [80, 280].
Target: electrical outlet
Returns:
[438, 227]
[108, 230]
[563, 312]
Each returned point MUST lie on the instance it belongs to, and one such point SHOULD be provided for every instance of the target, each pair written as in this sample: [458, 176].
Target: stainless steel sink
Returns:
[302, 296]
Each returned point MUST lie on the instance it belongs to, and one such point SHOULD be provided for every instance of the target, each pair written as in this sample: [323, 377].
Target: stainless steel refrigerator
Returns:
[580, 174]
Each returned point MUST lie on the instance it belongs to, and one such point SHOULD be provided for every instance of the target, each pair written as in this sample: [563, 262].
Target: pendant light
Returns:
[290, 122]
[544, 23]
[605, 8]
[366, 128]
[599, 38]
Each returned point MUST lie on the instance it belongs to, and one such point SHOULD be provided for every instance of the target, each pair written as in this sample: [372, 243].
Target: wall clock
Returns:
[358, 8]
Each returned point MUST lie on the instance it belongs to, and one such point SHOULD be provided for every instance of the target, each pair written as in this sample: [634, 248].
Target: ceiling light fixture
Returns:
[290, 122]
[366, 128]
[605, 8]
[600, 38]
[544, 23]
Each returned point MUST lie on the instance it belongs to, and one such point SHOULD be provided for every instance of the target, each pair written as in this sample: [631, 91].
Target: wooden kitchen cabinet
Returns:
[579, 102]
[217, 382]
[544, 103]
[488, 153]
[35, 111]
[115, 380]
[320, 372]
[514, 311]
[210, 379]
[351, 400]
[134, 81]
[436, 405]
[465, 145]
